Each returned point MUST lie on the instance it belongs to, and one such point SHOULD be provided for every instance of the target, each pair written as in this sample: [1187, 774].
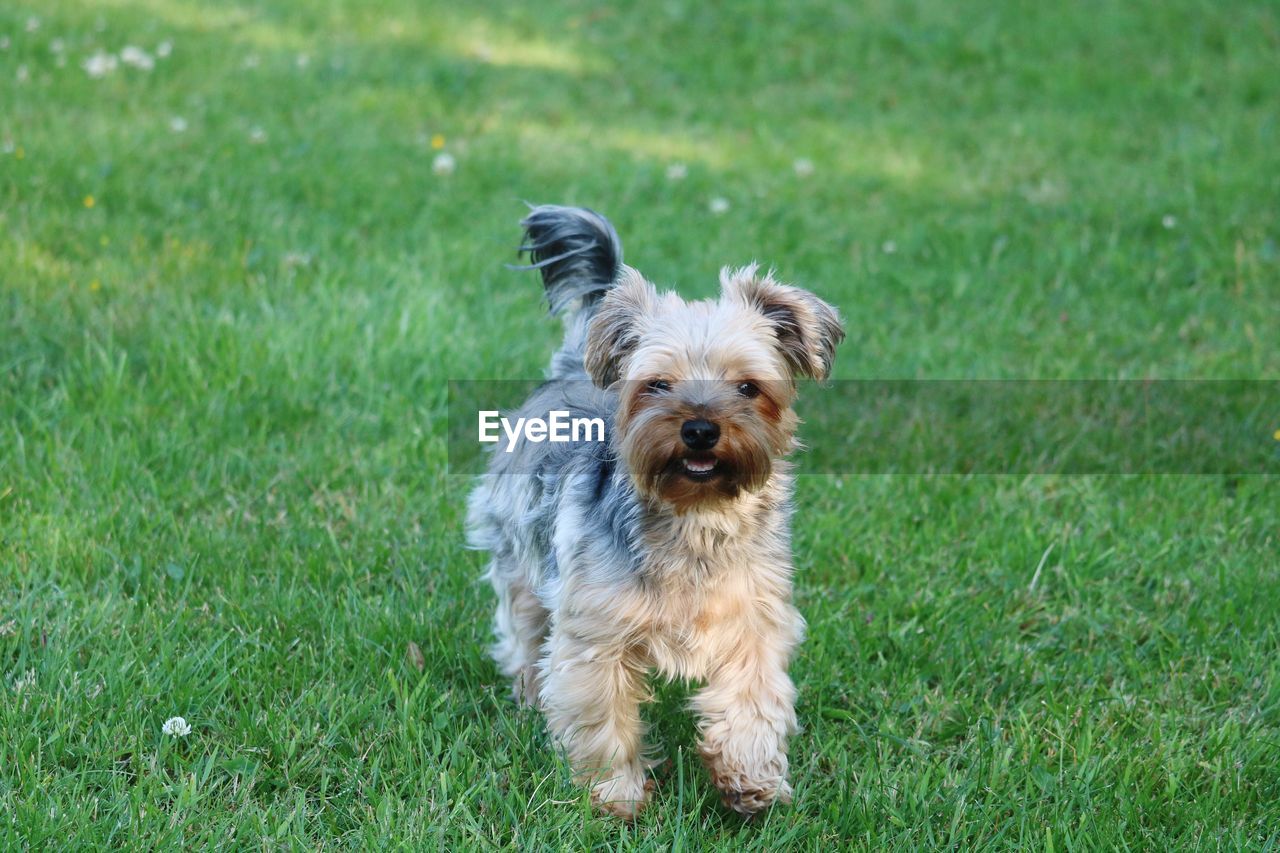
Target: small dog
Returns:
[667, 546]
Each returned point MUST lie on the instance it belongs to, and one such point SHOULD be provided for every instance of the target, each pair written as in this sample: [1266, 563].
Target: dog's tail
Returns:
[580, 256]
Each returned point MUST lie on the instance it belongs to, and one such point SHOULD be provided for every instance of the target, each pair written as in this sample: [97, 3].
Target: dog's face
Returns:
[706, 387]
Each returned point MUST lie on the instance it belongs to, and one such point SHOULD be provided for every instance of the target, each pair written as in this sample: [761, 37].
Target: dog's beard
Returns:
[665, 470]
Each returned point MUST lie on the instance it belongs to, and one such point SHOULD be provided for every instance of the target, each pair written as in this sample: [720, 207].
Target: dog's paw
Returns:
[622, 796]
[748, 787]
[750, 799]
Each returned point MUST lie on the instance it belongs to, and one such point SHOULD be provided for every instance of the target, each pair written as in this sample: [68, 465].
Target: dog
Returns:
[667, 545]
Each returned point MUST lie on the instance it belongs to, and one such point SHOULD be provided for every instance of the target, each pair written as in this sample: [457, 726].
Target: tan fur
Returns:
[712, 599]
[714, 605]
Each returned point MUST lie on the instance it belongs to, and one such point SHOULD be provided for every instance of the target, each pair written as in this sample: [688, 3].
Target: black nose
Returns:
[700, 434]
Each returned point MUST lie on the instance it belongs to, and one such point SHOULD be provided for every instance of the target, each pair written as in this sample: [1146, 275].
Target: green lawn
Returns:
[232, 291]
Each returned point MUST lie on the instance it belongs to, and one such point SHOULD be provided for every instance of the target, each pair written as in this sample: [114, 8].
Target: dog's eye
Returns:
[658, 386]
[749, 390]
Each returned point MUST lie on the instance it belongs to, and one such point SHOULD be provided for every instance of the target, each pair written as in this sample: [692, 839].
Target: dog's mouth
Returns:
[700, 467]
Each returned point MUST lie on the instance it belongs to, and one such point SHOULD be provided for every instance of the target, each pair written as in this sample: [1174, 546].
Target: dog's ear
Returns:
[807, 329]
[614, 332]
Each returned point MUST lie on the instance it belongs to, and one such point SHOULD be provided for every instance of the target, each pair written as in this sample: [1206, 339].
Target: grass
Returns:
[223, 366]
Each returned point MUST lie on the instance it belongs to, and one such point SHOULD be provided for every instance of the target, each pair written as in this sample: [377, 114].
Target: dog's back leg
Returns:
[520, 623]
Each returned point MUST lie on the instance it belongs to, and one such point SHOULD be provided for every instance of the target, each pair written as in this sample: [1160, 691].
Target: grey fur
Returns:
[514, 512]
[577, 251]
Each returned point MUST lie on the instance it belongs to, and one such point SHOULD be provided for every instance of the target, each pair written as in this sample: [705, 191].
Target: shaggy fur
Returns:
[663, 548]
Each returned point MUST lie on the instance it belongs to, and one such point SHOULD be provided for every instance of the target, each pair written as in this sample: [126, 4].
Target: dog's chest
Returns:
[697, 599]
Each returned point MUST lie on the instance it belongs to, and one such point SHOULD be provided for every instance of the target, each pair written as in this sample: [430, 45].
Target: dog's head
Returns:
[706, 388]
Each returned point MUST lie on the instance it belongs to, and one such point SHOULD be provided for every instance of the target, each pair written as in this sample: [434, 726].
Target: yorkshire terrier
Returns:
[667, 545]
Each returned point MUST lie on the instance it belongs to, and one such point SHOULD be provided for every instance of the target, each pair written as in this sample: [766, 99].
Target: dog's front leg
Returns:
[746, 712]
[591, 694]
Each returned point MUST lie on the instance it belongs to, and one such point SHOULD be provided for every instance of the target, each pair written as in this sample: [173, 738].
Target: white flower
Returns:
[178, 124]
[4, 42]
[444, 164]
[24, 74]
[57, 46]
[803, 167]
[252, 61]
[257, 135]
[176, 727]
[26, 680]
[163, 49]
[1169, 221]
[889, 247]
[718, 205]
[137, 57]
[33, 24]
[100, 64]
[677, 172]
[303, 60]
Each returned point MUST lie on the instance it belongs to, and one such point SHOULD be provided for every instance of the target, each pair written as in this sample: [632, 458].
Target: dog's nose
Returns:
[700, 434]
